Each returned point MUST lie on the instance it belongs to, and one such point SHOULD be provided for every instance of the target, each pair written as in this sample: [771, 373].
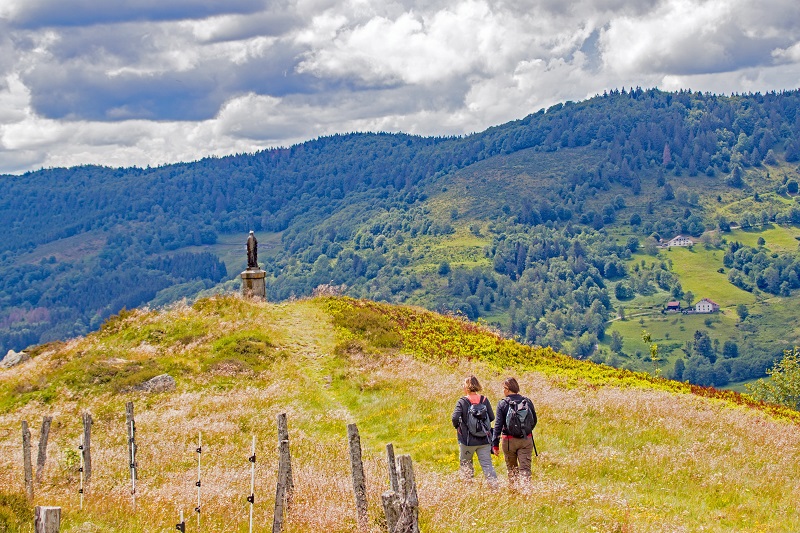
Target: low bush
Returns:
[15, 513]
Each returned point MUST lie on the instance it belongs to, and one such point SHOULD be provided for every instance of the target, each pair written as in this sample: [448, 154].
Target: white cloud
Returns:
[740, 81]
[787, 55]
[14, 100]
[468, 38]
[697, 36]
[150, 82]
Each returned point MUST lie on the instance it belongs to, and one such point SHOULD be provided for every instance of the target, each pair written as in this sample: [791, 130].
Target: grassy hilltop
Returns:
[618, 451]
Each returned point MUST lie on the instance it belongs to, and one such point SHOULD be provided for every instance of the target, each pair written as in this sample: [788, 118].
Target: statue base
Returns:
[253, 284]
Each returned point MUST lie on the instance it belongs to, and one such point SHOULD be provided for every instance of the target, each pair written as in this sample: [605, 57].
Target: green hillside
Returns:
[545, 227]
[618, 451]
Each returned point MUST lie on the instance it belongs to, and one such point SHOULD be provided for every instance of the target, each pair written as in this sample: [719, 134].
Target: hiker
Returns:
[514, 425]
[472, 419]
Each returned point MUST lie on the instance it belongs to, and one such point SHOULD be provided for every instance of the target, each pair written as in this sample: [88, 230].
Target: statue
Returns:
[252, 251]
[253, 284]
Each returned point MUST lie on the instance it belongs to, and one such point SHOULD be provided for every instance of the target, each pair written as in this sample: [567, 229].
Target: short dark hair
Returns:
[512, 385]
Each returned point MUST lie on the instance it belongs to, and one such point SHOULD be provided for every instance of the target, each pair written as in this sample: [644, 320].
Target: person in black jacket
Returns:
[474, 434]
[516, 450]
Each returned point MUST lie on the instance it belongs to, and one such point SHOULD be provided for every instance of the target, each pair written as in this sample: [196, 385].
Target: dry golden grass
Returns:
[611, 459]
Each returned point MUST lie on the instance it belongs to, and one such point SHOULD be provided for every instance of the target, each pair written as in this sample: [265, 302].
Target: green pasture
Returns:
[642, 303]
[769, 200]
[776, 321]
[671, 331]
[69, 249]
[739, 386]
[461, 249]
[778, 238]
[698, 268]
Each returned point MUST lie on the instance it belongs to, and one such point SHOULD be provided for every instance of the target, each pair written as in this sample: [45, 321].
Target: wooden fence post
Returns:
[409, 516]
[130, 423]
[26, 459]
[391, 508]
[392, 467]
[359, 483]
[42, 457]
[402, 507]
[285, 485]
[87, 449]
[47, 519]
[283, 435]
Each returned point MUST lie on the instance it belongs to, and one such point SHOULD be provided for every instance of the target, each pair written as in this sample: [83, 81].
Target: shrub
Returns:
[15, 512]
[249, 349]
[784, 385]
[375, 327]
[115, 321]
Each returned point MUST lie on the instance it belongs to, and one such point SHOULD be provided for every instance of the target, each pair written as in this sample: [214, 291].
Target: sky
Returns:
[151, 82]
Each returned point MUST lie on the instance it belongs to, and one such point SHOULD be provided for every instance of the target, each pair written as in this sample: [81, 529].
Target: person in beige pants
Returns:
[517, 450]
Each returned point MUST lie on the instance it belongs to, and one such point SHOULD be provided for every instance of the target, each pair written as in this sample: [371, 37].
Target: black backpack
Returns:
[478, 423]
[520, 418]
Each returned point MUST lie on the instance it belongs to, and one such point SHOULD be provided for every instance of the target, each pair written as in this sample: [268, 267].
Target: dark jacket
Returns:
[502, 411]
[460, 414]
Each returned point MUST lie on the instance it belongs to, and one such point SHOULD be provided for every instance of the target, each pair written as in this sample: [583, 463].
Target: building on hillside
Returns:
[673, 307]
[706, 306]
[680, 240]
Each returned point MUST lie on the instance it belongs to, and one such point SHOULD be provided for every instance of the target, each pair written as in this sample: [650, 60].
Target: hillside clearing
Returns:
[698, 271]
[778, 238]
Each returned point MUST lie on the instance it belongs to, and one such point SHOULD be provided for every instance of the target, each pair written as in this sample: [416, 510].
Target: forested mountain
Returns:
[546, 227]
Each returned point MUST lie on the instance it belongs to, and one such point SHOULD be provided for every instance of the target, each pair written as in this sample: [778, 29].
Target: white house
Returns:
[706, 306]
[680, 240]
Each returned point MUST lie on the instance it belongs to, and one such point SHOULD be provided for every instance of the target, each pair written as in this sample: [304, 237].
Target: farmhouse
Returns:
[706, 306]
[680, 240]
[673, 307]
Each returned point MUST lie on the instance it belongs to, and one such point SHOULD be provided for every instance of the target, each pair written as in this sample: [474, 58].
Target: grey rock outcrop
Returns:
[162, 383]
[13, 358]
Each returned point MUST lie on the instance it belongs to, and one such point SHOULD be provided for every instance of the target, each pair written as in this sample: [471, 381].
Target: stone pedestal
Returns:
[253, 285]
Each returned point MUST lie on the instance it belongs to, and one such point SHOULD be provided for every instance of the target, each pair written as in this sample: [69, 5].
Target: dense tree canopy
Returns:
[352, 209]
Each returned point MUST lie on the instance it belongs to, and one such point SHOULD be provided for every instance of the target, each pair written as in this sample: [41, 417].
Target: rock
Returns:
[162, 383]
[13, 358]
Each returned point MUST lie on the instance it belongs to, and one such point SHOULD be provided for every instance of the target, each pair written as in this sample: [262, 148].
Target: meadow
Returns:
[776, 238]
[618, 451]
[698, 272]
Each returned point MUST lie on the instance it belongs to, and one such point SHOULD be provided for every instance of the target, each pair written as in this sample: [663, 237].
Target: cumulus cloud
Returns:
[149, 82]
[698, 36]
[787, 55]
[43, 13]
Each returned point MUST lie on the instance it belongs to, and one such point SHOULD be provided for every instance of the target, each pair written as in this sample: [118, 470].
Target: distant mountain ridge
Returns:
[537, 225]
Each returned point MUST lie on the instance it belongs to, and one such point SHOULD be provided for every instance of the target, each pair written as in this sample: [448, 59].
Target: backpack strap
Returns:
[476, 403]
